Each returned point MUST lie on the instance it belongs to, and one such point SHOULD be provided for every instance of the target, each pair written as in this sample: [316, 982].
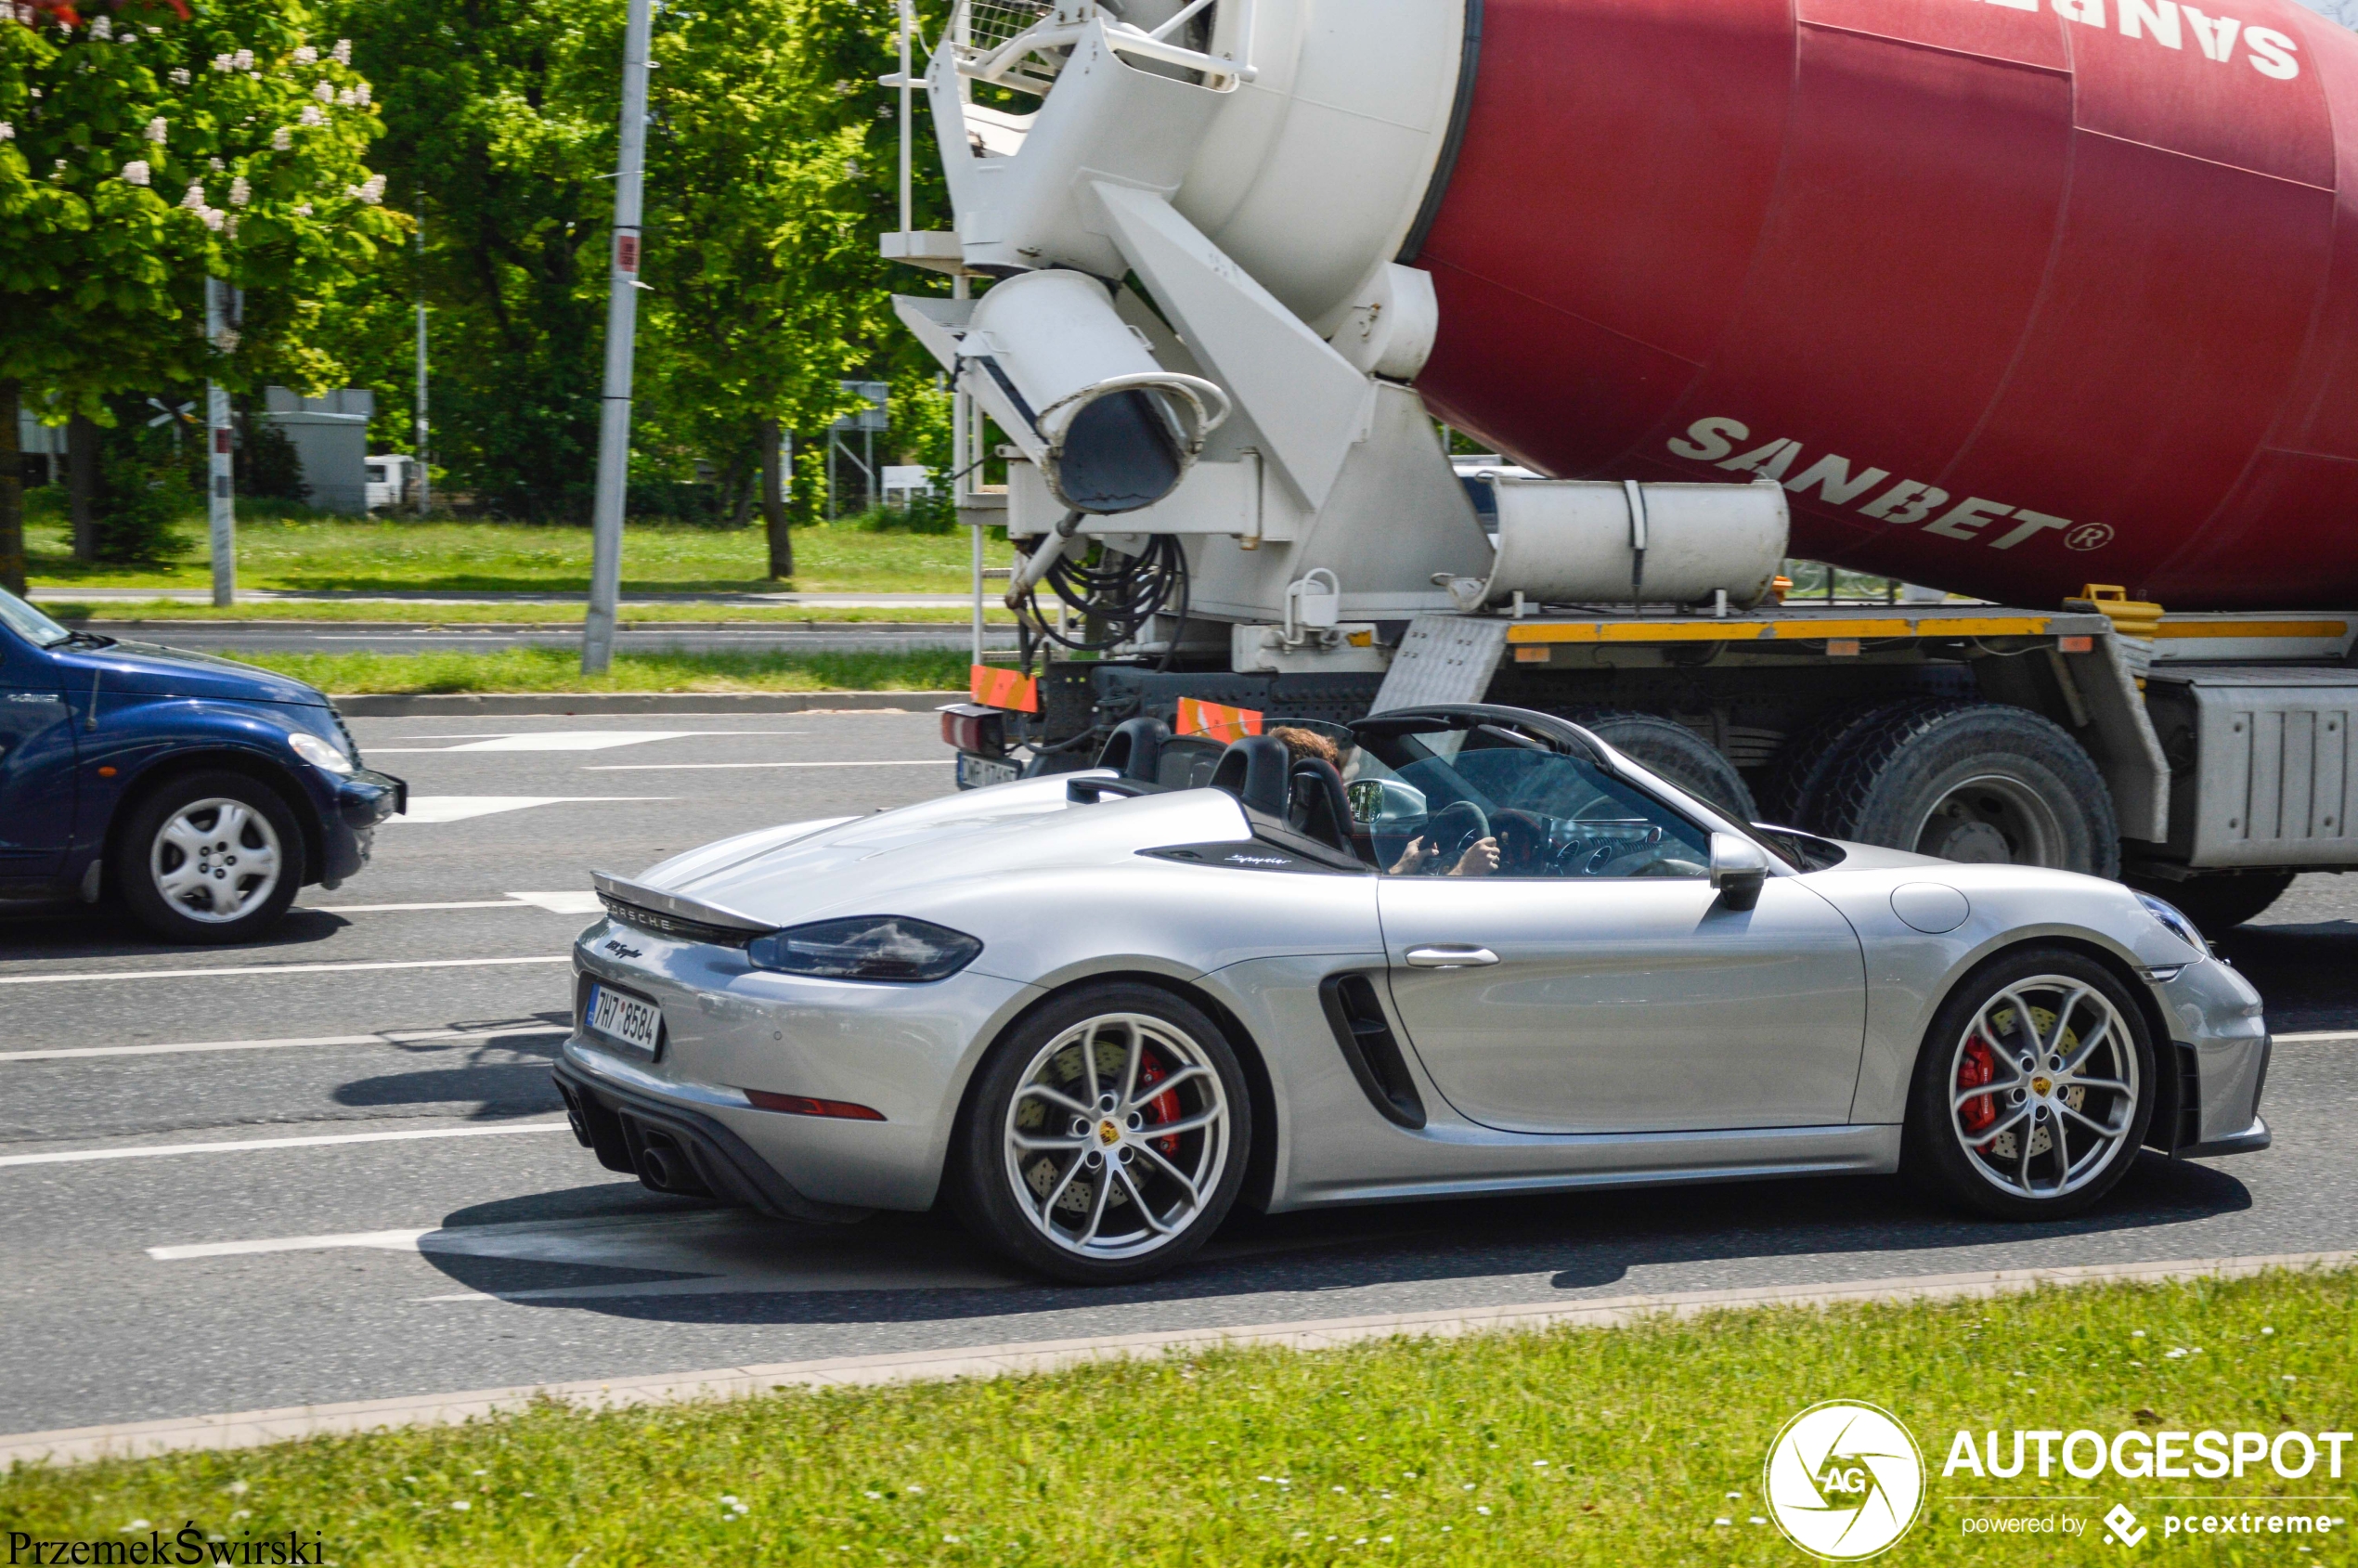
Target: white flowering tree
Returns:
[145, 144]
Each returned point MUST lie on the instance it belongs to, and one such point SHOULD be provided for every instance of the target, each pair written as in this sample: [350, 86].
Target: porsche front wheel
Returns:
[1107, 1136]
[2034, 1088]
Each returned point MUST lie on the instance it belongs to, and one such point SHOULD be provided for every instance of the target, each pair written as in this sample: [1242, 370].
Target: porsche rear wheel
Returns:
[2034, 1088]
[1107, 1136]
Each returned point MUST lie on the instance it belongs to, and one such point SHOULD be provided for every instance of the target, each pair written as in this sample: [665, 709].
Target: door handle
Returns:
[1451, 956]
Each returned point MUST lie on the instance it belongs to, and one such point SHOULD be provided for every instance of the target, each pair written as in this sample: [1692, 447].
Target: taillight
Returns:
[971, 727]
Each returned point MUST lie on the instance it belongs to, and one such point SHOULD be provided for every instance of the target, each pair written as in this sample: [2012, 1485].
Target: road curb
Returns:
[463, 705]
[248, 1429]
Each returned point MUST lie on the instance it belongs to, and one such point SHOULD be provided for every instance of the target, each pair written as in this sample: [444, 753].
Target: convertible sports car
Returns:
[1437, 952]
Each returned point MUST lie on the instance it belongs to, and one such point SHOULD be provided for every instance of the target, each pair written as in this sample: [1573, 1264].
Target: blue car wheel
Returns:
[209, 856]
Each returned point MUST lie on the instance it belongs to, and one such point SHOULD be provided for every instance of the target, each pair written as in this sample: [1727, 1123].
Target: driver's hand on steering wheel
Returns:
[1480, 860]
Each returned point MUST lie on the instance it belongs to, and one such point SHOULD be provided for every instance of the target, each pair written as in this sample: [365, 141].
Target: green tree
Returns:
[145, 146]
[500, 130]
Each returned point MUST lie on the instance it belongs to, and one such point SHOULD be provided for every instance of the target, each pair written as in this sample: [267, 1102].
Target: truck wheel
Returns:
[1976, 783]
[2221, 901]
[210, 857]
[2034, 1087]
[1677, 753]
[1797, 777]
[1106, 1137]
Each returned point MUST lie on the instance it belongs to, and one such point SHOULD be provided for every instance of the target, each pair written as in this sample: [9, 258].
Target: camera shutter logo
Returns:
[1843, 1480]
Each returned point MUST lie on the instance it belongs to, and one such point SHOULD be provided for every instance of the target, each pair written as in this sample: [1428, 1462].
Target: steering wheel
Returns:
[1454, 829]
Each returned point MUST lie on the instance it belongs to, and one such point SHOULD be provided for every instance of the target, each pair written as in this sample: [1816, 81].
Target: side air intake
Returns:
[1366, 1038]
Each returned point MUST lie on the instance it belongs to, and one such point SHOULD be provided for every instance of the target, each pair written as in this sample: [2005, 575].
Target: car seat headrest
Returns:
[1134, 750]
[1255, 771]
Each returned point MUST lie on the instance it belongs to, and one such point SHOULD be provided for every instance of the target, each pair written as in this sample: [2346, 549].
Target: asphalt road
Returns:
[330, 1167]
[710, 637]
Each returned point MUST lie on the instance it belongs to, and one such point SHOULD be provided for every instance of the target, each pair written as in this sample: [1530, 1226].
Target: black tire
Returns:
[2219, 902]
[1974, 781]
[1934, 1150]
[1042, 1051]
[144, 860]
[1669, 749]
[1797, 777]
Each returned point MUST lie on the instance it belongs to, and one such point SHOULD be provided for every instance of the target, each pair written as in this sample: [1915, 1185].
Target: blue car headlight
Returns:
[2175, 922]
[866, 947]
[319, 753]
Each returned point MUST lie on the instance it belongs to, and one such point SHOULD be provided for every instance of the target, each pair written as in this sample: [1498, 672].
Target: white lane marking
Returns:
[716, 1252]
[566, 902]
[2316, 1037]
[546, 740]
[387, 909]
[569, 902]
[682, 766]
[273, 969]
[390, 1037]
[246, 1145]
[459, 808]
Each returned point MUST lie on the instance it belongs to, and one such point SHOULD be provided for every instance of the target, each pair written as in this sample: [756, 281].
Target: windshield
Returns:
[29, 623]
[1489, 802]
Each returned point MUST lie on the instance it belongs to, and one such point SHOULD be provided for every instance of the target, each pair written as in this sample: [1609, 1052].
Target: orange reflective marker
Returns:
[1215, 722]
[995, 687]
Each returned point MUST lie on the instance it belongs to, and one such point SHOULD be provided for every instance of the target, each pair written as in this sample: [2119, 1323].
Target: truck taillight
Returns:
[972, 727]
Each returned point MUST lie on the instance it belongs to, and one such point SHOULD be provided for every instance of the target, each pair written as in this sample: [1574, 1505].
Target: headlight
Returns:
[2175, 920]
[866, 947]
[319, 753]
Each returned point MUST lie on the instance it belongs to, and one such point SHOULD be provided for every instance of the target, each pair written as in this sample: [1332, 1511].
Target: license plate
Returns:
[979, 772]
[626, 1019]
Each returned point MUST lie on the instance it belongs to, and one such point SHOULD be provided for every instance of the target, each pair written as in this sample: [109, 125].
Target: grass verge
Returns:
[559, 670]
[355, 556]
[409, 612]
[1582, 1447]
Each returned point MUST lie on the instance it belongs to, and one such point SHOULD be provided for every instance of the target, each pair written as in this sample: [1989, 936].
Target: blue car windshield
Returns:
[29, 623]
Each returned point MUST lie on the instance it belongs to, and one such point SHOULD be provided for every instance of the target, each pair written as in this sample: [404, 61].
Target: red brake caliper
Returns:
[1163, 1107]
[1980, 1066]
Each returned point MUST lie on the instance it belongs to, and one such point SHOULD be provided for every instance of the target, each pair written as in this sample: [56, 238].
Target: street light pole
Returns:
[622, 321]
[220, 506]
[425, 482]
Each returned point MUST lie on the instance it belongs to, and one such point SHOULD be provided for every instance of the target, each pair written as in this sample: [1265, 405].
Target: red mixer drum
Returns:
[2012, 297]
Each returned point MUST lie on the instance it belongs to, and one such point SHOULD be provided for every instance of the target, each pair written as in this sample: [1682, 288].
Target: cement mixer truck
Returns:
[2049, 304]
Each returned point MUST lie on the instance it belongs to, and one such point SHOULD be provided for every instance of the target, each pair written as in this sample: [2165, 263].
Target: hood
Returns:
[151, 669]
[1875, 857]
[888, 862]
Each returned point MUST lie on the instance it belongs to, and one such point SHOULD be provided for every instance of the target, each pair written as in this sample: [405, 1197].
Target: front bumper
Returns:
[347, 834]
[2215, 1018]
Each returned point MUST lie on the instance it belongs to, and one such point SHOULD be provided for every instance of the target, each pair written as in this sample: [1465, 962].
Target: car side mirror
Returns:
[1738, 868]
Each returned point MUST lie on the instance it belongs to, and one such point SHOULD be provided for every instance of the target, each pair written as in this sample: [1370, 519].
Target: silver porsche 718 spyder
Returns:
[1437, 952]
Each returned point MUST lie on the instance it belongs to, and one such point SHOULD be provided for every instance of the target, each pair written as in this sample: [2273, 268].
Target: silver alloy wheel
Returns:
[215, 859]
[1117, 1136]
[1992, 820]
[2042, 1087]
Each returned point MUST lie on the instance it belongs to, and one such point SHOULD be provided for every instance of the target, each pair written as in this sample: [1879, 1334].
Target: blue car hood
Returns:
[152, 670]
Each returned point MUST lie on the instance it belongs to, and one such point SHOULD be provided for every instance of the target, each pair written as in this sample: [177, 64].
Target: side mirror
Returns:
[1377, 800]
[1738, 870]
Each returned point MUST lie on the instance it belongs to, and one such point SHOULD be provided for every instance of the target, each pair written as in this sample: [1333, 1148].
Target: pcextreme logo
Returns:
[1843, 1480]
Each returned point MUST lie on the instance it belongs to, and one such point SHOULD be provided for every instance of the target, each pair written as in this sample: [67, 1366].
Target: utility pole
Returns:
[622, 322]
[220, 507]
[425, 482]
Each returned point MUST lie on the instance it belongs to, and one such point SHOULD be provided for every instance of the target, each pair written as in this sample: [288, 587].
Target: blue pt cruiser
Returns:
[200, 792]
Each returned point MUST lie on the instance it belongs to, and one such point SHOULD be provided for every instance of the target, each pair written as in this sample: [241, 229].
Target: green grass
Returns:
[508, 613]
[350, 556]
[559, 670]
[1422, 1452]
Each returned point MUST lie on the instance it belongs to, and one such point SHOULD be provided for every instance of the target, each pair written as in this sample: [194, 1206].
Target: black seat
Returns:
[1134, 750]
